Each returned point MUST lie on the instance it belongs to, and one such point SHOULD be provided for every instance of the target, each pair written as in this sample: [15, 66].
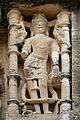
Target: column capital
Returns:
[17, 32]
[14, 17]
[13, 100]
[63, 18]
[16, 76]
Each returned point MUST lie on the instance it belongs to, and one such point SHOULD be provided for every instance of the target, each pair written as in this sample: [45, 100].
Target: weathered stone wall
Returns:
[3, 74]
[76, 57]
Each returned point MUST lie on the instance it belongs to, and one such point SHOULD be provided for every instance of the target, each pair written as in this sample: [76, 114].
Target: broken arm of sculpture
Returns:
[26, 50]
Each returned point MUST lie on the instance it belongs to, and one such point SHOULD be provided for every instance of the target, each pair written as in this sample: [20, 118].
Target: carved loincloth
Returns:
[35, 67]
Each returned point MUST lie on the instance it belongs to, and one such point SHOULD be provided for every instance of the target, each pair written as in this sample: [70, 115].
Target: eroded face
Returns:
[39, 24]
[14, 17]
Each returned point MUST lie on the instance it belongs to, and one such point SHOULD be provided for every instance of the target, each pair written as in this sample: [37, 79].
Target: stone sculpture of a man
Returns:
[36, 51]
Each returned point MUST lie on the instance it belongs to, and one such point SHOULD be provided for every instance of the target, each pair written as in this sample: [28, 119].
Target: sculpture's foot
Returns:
[55, 97]
[47, 112]
[29, 112]
[36, 112]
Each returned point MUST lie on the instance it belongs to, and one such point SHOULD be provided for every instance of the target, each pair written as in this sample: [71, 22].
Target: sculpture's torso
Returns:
[36, 62]
[41, 45]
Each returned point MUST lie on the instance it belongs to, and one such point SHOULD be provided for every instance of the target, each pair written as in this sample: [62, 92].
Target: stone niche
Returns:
[39, 73]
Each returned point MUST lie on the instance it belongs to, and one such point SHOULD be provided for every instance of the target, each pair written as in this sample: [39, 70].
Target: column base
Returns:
[13, 110]
[65, 105]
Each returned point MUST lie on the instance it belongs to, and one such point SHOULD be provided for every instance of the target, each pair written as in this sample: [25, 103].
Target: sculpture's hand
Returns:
[24, 55]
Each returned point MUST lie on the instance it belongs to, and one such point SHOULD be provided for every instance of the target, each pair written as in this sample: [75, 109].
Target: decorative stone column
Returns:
[14, 17]
[63, 21]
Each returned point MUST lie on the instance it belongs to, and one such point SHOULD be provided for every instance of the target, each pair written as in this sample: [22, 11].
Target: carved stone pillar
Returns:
[13, 71]
[14, 17]
[63, 21]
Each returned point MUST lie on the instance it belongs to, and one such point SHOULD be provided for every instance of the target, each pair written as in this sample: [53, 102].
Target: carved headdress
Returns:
[39, 18]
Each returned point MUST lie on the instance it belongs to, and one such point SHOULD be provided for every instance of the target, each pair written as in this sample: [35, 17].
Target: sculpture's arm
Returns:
[55, 58]
[26, 50]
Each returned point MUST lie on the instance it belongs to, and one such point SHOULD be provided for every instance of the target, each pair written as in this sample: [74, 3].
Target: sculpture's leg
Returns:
[55, 96]
[53, 92]
[33, 93]
[44, 93]
[56, 109]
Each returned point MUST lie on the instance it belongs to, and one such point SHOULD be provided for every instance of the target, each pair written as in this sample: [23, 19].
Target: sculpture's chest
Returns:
[41, 43]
